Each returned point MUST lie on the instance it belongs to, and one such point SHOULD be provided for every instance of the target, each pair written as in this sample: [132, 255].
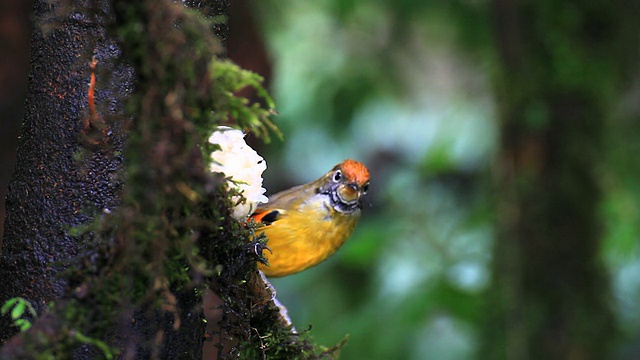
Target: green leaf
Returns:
[8, 305]
[18, 310]
[23, 324]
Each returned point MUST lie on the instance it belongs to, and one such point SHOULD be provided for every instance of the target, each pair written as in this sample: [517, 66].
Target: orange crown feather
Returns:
[355, 171]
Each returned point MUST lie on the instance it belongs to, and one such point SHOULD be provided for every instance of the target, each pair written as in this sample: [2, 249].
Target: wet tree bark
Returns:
[51, 192]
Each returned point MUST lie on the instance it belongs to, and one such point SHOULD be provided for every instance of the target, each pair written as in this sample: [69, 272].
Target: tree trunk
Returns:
[556, 86]
[69, 173]
[51, 192]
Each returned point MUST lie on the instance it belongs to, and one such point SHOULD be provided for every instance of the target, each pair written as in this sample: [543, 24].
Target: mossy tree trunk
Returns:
[562, 69]
[116, 225]
[70, 174]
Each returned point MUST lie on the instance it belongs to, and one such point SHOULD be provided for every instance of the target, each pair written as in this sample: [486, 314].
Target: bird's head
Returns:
[346, 184]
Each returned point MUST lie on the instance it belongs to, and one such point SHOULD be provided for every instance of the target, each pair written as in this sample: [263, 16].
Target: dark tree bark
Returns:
[51, 191]
[561, 73]
[69, 171]
[14, 47]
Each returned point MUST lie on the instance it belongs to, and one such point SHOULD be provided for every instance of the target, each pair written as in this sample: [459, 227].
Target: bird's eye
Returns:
[337, 176]
[365, 188]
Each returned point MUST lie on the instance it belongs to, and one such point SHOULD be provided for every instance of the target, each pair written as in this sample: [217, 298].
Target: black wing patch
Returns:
[270, 217]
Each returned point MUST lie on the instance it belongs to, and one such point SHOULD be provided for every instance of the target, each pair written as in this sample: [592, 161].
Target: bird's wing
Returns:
[267, 215]
[288, 199]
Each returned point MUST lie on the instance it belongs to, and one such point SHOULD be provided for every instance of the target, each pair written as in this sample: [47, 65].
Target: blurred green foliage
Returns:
[403, 86]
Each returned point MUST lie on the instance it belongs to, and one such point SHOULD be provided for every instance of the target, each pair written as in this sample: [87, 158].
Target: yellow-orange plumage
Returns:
[308, 223]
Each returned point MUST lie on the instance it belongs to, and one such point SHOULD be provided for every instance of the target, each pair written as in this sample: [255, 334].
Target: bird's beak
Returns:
[349, 192]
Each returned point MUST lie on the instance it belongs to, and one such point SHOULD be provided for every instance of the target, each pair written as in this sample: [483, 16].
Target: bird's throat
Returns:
[342, 206]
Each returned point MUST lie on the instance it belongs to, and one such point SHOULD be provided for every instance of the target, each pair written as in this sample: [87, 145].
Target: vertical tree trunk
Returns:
[52, 191]
[69, 171]
[556, 86]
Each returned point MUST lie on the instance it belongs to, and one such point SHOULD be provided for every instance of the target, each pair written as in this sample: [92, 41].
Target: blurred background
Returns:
[412, 89]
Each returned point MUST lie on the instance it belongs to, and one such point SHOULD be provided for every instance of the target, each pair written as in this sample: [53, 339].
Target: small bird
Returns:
[306, 224]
